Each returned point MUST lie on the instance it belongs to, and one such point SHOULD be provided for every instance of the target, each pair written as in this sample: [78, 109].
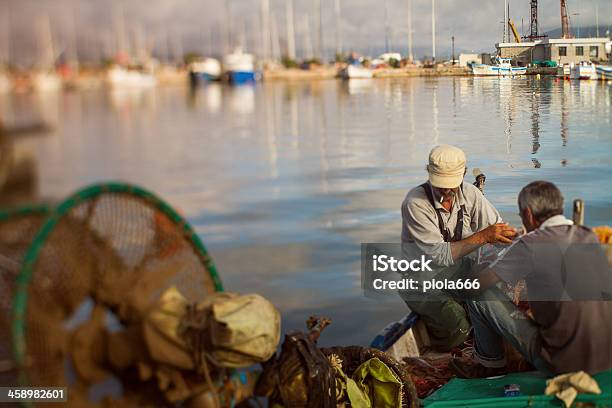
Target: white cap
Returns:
[446, 166]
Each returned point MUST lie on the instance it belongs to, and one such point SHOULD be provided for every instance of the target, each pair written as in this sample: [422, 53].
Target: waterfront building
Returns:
[560, 50]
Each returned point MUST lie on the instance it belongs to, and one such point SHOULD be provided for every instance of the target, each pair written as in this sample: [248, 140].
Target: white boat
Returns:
[583, 70]
[604, 72]
[119, 77]
[208, 69]
[46, 81]
[240, 67]
[502, 67]
[353, 71]
[564, 71]
[5, 83]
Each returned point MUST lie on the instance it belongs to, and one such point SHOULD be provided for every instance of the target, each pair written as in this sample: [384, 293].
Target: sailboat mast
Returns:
[433, 30]
[410, 55]
[505, 39]
[4, 37]
[307, 41]
[265, 29]
[386, 26]
[274, 38]
[338, 28]
[319, 28]
[290, 30]
[597, 19]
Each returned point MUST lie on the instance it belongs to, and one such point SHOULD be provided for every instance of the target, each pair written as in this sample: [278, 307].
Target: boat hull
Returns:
[604, 72]
[492, 70]
[202, 77]
[583, 72]
[242, 77]
[355, 72]
[120, 78]
[205, 71]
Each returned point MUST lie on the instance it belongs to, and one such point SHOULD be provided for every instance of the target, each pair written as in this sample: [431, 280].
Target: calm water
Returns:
[284, 181]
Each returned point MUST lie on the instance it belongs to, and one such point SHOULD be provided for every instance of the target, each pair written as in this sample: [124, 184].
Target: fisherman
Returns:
[568, 283]
[447, 218]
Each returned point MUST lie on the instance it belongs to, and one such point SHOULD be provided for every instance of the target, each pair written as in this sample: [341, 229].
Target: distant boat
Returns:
[583, 70]
[46, 81]
[604, 72]
[120, 77]
[208, 69]
[240, 67]
[5, 83]
[501, 68]
[564, 71]
[354, 71]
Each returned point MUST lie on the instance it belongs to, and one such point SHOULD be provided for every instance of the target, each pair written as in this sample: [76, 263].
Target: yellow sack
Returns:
[243, 330]
[566, 387]
[232, 330]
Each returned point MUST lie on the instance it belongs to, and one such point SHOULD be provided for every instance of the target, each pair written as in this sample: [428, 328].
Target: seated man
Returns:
[446, 219]
[567, 279]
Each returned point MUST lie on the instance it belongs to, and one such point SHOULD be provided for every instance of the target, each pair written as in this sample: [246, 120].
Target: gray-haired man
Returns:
[448, 219]
[568, 282]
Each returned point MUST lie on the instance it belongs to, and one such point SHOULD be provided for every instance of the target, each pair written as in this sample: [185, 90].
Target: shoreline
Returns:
[323, 73]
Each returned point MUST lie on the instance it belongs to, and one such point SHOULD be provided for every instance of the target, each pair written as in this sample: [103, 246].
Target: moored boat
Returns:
[604, 72]
[46, 81]
[120, 77]
[206, 70]
[353, 71]
[502, 67]
[240, 67]
[563, 71]
[5, 83]
[583, 70]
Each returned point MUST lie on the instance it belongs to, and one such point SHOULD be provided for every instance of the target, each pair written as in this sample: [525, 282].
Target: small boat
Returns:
[5, 83]
[120, 77]
[503, 67]
[240, 67]
[206, 70]
[563, 71]
[583, 70]
[354, 71]
[604, 72]
[46, 81]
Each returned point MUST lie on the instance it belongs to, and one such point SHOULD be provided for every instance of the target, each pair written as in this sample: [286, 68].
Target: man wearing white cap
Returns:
[447, 219]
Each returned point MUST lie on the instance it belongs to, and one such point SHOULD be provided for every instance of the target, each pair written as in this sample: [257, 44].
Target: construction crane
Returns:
[565, 32]
[533, 20]
[515, 33]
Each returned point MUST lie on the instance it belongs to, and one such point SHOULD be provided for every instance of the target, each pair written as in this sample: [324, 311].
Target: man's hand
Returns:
[500, 233]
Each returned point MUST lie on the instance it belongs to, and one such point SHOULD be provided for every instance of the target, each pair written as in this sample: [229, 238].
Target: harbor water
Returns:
[284, 181]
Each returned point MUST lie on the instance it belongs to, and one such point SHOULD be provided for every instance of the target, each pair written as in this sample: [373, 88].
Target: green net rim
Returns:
[25, 274]
[28, 209]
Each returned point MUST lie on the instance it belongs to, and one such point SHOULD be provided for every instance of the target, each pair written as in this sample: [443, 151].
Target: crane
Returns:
[515, 33]
[565, 32]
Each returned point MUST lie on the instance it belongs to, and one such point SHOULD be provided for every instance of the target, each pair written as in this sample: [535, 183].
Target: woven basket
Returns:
[353, 356]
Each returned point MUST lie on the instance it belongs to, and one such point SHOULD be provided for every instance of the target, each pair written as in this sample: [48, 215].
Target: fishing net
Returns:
[98, 263]
[17, 229]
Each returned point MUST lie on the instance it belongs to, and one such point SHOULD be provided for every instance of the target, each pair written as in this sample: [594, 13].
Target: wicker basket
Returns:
[353, 356]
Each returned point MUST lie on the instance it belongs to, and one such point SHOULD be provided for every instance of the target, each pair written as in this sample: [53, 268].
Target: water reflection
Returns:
[283, 181]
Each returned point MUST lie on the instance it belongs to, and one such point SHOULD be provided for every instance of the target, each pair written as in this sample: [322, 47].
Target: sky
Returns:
[173, 27]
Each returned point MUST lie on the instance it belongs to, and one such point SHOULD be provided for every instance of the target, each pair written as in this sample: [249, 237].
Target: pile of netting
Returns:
[113, 290]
